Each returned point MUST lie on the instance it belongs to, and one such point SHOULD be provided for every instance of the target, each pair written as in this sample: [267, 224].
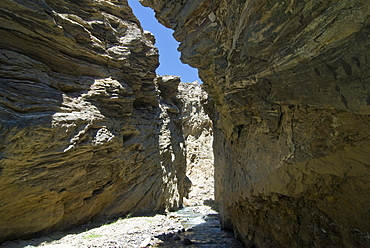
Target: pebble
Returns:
[176, 237]
[146, 242]
[59, 246]
[187, 241]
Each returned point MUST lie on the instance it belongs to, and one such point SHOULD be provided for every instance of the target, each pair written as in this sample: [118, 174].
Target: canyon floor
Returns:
[190, 227]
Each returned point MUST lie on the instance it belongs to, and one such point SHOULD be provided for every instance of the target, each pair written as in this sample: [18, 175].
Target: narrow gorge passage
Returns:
[89, 132]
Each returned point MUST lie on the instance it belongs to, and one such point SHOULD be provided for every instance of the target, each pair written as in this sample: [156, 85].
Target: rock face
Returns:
[183, 103]
[84, 133]
[290, 87]
[198, 136]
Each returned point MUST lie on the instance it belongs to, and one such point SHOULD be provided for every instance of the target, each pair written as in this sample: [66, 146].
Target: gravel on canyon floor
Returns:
[176, 229]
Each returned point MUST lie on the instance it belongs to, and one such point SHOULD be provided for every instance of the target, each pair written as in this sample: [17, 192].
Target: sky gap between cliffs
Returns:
[170, 63]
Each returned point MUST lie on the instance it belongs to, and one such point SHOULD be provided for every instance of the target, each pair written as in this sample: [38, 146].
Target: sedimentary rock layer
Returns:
[83, 133]
[198, 136]
[183, 103]
[290, 84]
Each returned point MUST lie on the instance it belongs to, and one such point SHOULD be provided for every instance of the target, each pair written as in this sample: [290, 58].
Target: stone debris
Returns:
[146, 242]
[135, 232]
[187, 241]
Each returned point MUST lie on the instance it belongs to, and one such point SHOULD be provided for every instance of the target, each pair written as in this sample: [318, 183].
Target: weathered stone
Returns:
[182, 102]
[171, 140]
[84, 133]
[290, 87]
[146, 242]
[176, 237]
[187, 241]
[198, 135]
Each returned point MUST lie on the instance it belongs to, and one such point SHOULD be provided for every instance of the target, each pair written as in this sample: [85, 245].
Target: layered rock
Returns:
[183, 103]
[83, 130]
[198, 136]
[290, 86]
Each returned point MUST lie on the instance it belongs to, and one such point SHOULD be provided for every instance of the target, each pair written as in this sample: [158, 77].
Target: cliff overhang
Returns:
[289, 81]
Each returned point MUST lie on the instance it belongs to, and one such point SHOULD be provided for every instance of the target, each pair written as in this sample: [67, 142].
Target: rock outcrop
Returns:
[290, 86]
[198, 136]
[84, 133]
[183, 102]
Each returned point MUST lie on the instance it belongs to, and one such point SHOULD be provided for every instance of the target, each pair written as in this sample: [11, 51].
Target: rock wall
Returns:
[183, 102]
[84, 132]
[198, 136]
[290, 87]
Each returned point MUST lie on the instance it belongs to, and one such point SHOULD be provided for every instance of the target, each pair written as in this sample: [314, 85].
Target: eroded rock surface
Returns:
[183, 102]
[290, 86]
[198, 136]
[84, 133]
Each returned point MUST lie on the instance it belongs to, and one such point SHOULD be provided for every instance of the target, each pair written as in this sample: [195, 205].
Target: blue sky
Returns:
[169, 57]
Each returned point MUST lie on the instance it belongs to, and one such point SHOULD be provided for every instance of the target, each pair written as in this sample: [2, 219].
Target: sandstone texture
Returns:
[84, 132]
[290, 82]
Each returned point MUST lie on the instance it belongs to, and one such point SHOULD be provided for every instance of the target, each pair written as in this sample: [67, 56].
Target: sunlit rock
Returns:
[84, 132]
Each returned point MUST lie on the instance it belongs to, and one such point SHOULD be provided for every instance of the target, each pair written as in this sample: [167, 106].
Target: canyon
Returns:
[88, 131]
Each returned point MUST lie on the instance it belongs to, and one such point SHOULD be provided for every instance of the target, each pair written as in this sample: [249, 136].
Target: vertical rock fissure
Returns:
[186, 101]
[198, 135]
